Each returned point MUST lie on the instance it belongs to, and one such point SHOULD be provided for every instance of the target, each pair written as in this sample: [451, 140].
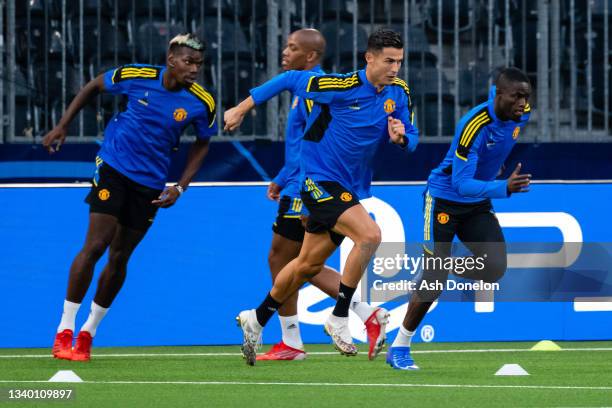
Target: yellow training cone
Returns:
[546, 345]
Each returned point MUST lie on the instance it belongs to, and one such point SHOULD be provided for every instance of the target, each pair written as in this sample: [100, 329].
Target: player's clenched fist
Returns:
[397, 131]
[233, 118]
[56, 136]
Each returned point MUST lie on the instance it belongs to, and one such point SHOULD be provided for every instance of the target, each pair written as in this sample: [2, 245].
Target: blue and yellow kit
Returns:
[289, 176]
[480, 147]
[138, 141]
[348, 121]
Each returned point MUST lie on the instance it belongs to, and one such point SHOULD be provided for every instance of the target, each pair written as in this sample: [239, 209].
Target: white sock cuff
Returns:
[405, 331]
[97, 308]
[287, 320]
[68, 305]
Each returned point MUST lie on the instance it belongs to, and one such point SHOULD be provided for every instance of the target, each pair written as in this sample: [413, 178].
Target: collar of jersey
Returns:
[317, 69]
[161, 82]
[367, 84]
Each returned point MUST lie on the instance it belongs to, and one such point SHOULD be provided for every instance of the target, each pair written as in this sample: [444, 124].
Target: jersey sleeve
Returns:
[405, 113]
[306, 84]
[281, 177]
[117, 81]
[464, 169]
[206, 124]
[113, 85]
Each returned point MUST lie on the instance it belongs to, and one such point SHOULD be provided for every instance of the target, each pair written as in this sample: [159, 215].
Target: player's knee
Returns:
[118, 259]
[274, 256]
[371, 239]
[495, 269]
[94, 250]
[306, 268]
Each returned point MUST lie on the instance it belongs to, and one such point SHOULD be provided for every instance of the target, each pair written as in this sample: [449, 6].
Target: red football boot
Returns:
[62, 346]
[82, 348]
[281, 351]
[375, 327]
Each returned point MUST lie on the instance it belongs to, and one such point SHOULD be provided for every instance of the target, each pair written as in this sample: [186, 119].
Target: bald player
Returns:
[302, 52]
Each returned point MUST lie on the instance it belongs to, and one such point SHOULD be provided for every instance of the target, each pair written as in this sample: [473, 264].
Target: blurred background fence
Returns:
[50, 48]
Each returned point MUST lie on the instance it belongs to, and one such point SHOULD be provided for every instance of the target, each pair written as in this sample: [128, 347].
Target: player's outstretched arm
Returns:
[58, 134]
[195, 158]
[232, 118]
[287, 81]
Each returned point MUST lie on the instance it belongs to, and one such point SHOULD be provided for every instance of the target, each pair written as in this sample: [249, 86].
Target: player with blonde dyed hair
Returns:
[131, 171]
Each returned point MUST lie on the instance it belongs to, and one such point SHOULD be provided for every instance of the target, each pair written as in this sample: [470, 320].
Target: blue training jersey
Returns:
[138, 142]
[480, 147]
[288, 178]
[347, 123]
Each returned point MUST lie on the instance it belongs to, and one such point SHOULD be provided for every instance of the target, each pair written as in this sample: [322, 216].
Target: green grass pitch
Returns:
[451, 375]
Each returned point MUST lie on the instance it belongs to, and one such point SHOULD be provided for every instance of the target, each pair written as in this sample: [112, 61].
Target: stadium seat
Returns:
[341, 9]
[427, 114]
[228, 8]
[51, 76]
[106, 33]
[598, 88]
[339, 39]
[90, 121]
[473, 86]
[425, 82]
[418, 47]
[152, 41]
[24, 117]
[34, 7]
[448, 15]
[156, 7]
[36, 35]
[233, 39]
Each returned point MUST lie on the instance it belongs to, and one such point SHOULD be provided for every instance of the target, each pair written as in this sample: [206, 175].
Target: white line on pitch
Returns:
[320, 384]
[314, 353]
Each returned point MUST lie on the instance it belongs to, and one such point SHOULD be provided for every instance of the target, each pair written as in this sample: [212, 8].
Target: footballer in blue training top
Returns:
[354, 113]
[131, 172]
[303, 51]
[458, 201]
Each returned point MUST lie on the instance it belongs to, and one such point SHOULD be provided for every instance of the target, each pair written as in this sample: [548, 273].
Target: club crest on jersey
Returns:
[389, 106]
[295, 102]
[516, 132]
[104, 194]
[346, 197]
[443, 218]
[180, 114]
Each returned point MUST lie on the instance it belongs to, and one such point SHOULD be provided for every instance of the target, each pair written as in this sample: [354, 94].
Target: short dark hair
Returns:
[512, 74]
[188, 40]
[383, 38]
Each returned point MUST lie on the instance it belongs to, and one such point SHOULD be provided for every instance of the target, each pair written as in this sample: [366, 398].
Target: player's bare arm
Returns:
[195, 158]
[57, 135]
[233, 117]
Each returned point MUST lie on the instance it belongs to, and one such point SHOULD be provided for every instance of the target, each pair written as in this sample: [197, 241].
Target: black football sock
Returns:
[345, 294]
[267, 309]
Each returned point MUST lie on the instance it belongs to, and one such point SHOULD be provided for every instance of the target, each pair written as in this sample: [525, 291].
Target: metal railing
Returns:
[51, 48]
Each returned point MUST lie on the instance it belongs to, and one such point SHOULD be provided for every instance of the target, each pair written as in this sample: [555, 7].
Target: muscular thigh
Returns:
[482, 234]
